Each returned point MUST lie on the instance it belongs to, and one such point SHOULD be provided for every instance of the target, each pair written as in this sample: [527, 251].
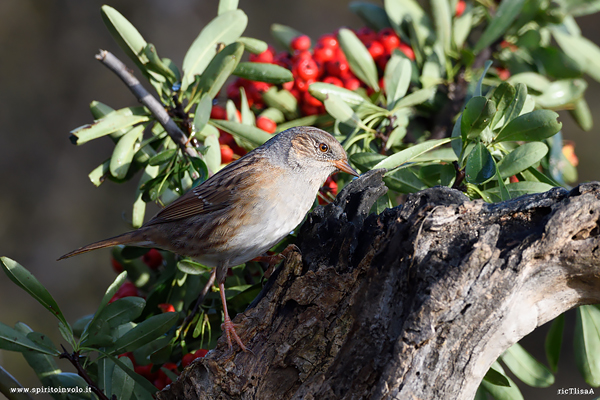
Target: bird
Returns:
[245, 208]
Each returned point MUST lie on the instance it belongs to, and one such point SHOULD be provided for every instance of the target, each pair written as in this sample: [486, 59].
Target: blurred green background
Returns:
[48, 76]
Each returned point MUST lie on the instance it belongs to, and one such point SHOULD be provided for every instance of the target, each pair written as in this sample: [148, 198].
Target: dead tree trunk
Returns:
[414, 303]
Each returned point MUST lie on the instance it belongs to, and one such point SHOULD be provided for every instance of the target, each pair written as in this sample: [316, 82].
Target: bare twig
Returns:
[144, 97]
[74, 360]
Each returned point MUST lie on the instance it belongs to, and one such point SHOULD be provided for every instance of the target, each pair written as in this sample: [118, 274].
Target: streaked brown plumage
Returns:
[245, 208]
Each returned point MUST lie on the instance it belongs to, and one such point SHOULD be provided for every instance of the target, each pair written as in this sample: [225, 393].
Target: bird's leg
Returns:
[275, 259]
[227, 325]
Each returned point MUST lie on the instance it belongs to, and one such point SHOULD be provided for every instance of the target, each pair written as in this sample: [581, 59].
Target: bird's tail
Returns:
[126, 238]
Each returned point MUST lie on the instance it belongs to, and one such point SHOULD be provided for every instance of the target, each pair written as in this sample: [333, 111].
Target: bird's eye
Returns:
[323, 147]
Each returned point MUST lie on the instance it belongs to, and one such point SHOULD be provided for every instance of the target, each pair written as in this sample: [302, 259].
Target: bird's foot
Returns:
[229, 328]
[275, 259]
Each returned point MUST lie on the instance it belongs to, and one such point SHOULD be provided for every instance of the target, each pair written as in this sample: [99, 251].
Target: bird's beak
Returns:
[344, 166]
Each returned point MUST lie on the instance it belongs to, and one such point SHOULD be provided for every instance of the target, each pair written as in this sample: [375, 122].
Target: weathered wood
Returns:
[414, 303]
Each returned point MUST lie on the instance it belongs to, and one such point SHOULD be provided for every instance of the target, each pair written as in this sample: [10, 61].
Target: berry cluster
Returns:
[156, 374]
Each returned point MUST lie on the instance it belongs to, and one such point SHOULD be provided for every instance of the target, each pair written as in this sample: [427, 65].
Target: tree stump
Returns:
[413, 303]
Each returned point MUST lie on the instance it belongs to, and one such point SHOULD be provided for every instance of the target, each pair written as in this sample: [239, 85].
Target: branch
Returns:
[144, 97]
[416, 302]
[74, 360]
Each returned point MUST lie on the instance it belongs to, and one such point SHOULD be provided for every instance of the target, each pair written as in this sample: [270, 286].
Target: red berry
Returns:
[382, 60]
[266, 124]
[160, 382]
[310, 100]
[513, 179]
[283, 59]
[339, 68]
[306, 69]
[503, 73]
[351, 83]
[334, 81]
[201, 353]
[408, 51]
[260, 87]
[153, 259]
[328, 41]
[376, 49]
[225, 138]
[307, 109]
[288, 85]
[166, 307]
[187, 359]
[302, 85]
[226, 154]
[128, 289]
[390, 43]
[329, 189]
[146, 372]
[366, 34]
[300, 43]
[381, 83]
[323, 54]
[117, 267]
[296, 93]
[218, 112]
[460, 8]
[266, 56]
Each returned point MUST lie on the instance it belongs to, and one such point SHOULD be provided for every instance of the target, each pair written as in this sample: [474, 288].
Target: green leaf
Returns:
[582, 115]
[587, 344]
[359, 58]
[585, 52]
[13, 340]
[495, 377]
[502, 96]
[202, 114]
[107, 125]
[507, 12]
[404, 180]
[518, 189]
[251, 133]
[533, 80]
[477, 115]
[341, 111]
[398, 72]
[122, 311]
[502, 392]
[219, 69]
[578, 8]
[110, 292]
[443, 22]
[406, 155]
[415, 98]
[284, 35]
[72, 380]
[254, 46]
[513, 110]
[555, 63]
[8, 382]
[226, 28]
[139, 205]
[562, 94]
[145, 332]
[282, 100]
[126, 36]
[122, 383]
[374, 16]
[157, 65]
[480, 166]
[263, 72]
[44, 365]
[225, 6]
[122, 155]
[321, 90]
[462, 27]
[401, 11]
[554, 341]
[139, 380]
[522, 158]
[366, 161]
[212, 158]
[478, 90]
[192, 267]
[105, 372]
[536, 125]
[526, 367]
[26, 281]
[162, 157]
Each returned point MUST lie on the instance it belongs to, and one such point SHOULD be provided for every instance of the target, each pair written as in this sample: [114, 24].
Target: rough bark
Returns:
[414, 303]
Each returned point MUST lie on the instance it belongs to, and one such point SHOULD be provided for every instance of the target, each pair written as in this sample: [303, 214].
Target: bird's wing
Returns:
[212, 195]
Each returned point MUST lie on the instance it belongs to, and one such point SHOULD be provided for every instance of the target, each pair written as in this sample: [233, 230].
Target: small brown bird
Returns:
[244, 209]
